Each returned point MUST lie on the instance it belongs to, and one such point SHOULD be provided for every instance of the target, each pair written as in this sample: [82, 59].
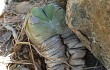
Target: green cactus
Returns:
[45, 22]
[43, 28]
[47, 29]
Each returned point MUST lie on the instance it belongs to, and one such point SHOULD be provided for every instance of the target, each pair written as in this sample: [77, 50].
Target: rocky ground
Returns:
[15, 50]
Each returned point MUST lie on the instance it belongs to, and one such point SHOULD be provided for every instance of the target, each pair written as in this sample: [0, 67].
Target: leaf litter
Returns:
[16, 52]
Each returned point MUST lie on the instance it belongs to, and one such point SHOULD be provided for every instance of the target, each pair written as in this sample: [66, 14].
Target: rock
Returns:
[23, 68]
[23, 7]
[90, 20]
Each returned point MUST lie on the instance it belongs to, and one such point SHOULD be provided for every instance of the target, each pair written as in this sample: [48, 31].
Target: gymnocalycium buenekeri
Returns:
[45, 21]
[46, 28]
[43, 27]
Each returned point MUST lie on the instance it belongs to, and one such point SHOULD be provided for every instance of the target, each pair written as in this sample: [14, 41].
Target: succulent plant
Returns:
[46, 21]
[46, 28]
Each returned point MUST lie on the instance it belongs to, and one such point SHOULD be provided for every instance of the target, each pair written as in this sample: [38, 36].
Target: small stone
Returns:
[23, 7]
[23, 68]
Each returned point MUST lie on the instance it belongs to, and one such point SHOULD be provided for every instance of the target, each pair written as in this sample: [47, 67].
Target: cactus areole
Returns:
[44, 22]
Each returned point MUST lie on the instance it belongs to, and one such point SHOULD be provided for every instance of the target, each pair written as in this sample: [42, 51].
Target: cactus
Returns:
[75, 50]
[46, 28]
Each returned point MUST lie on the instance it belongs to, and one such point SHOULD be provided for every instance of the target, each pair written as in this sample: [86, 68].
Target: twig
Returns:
[17, 62]
[33, 58]
[28, 43]
[8, 27]
[92, 67]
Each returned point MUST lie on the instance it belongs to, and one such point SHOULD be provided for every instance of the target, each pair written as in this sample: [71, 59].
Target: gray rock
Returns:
[90, 20]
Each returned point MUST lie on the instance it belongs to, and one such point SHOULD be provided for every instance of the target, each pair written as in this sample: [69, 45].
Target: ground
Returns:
[15, 50]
